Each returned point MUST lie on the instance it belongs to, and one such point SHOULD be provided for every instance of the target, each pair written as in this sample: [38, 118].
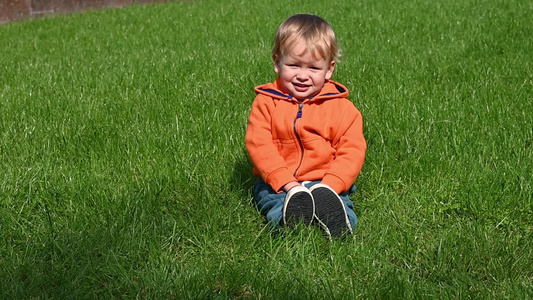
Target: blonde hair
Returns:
[315, 32]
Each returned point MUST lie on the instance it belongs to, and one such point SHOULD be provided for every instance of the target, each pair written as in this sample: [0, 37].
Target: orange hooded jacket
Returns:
[320, 138]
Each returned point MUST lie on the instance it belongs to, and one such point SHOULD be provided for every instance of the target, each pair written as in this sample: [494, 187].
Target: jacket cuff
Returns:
[334, 182]
[278, 178]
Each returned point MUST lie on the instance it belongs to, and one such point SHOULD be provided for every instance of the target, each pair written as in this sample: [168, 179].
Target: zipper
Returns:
[298, 116]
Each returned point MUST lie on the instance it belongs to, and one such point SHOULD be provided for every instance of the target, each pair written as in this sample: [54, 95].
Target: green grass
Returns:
[123, 172]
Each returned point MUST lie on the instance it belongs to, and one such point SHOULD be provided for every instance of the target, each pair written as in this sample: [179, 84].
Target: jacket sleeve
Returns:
[264, 154]
[350, 147]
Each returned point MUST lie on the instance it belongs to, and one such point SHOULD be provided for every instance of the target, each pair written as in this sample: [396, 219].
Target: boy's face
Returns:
[301, 74]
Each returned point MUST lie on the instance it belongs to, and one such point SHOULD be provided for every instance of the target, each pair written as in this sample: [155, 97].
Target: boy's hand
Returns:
[289, 186]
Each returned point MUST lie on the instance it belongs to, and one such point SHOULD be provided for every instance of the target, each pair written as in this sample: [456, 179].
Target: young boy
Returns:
[304, 137]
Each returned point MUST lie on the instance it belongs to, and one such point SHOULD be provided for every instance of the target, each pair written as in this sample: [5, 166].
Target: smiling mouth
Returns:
[301, 87]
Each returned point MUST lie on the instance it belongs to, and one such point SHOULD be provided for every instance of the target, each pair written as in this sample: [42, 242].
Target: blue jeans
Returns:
[270, 203]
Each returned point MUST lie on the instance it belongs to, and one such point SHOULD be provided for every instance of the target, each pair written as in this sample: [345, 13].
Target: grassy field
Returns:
[123, 171]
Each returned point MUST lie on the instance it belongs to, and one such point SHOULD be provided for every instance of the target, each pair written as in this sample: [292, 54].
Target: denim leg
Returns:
[269, 203]
[348, 205]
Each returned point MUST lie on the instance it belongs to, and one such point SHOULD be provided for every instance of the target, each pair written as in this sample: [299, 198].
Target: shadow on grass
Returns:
[243, 178]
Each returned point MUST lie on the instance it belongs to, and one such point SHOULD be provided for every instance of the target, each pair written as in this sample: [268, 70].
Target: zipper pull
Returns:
[299, 115]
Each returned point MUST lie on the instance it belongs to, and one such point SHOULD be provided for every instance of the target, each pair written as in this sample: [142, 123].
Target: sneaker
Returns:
[330, 211]
[299, 206]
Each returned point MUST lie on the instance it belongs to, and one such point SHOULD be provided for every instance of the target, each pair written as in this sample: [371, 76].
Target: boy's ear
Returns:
[277, 66]
[330, 70]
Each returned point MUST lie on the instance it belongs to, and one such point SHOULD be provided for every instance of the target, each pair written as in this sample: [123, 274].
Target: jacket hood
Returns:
[330, 90]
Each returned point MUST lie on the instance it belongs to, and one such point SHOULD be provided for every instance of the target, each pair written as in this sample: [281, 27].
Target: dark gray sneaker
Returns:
[330, 211]
[299, 206]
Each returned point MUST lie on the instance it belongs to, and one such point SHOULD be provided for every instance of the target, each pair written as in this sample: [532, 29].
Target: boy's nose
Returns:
[302, 75]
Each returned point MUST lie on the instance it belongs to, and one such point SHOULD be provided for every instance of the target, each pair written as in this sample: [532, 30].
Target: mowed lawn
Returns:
[123, 171]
